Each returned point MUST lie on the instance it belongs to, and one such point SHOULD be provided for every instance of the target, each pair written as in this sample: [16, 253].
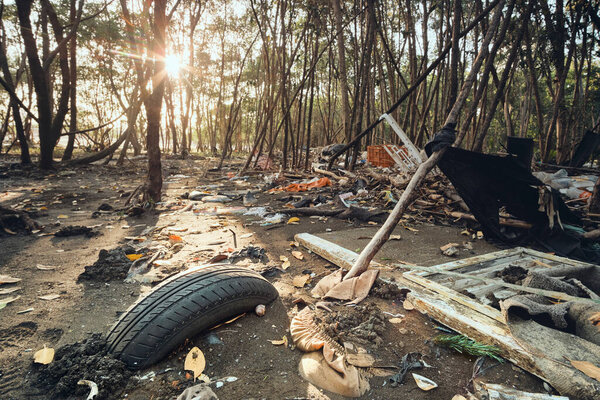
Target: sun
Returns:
[172, 64]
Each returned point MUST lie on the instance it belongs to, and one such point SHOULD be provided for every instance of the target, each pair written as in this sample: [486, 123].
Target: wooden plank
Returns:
[459, 298]
[332, 252]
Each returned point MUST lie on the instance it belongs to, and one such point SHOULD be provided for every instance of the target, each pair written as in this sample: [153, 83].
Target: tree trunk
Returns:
[153, 104]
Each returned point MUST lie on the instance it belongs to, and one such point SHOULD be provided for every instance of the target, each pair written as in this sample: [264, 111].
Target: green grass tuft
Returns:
[463, 344]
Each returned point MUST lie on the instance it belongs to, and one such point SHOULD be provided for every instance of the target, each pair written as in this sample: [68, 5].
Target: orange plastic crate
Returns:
[377, 156]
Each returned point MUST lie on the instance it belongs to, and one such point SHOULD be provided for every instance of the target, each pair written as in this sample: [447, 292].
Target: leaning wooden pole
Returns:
[383, 234]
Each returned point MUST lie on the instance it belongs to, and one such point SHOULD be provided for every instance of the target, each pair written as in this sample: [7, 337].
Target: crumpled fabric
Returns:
[444, 138]
[328, 368]
[354, 289]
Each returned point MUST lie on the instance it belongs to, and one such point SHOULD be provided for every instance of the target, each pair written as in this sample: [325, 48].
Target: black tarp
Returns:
[488, 183]
[588, 146]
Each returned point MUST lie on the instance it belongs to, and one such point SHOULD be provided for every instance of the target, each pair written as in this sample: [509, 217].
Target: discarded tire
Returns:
[182, 307]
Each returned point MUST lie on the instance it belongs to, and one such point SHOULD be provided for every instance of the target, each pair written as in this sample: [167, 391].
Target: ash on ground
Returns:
[111, 265]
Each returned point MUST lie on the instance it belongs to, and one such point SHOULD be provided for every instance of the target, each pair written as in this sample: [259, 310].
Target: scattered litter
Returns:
[216, 199]
[294, 221]
[256, 211]
[8, 279]
[300, 281]
[298, 255]
[30, 309]
[283, 341]
[304, 186]
[93, 388]
[254, 253]
[197, 195]
[9, 290]
[175, 239]
[409, 362]
[198, 392]
[249, 199]
[286, 262]
[133, 257]
[45, 267]
[195, 362]
[273, 219]
[424, 383]
[396, 320]
[450, 249]
[53, 296]
[260, 310]
[395, 237]
[44, 356]
[9, 300]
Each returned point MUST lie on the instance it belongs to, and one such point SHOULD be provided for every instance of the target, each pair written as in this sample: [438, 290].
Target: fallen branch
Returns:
[359, 213]
[515, 223]
[101, 154]
[327, 173]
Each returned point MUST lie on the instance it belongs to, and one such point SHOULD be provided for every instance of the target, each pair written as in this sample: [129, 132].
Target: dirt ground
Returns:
[50, 265]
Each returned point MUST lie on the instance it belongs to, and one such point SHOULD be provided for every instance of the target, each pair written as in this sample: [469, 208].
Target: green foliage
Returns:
[463, 344]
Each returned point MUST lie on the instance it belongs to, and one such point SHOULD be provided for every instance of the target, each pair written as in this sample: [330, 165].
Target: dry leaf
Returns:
[286, 264]
[465, 232]
[45, 267]
[50, 297]
[9, 290]
[410, 228]
[395, 237]
[44, 356]
[62, 216]
[195, 362]
[30, 309]
[300, 280]
[424, 383]
[283, 258]
[8, 279]
[408, 305]
[298, 255]
[458, 397]
[587, 368]
[396, 320]
[283, 341]
[479, 235]
[133, 257]
[372, 223]
[294, 221]
[9, 300]
[294, 244]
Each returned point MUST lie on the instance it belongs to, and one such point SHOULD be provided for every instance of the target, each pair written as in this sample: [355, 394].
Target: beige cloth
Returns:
[354, 289]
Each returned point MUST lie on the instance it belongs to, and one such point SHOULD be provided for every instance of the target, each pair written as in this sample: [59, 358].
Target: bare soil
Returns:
[87, 305]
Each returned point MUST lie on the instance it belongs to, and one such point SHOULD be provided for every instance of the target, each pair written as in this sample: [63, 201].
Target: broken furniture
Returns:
[547, 353]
